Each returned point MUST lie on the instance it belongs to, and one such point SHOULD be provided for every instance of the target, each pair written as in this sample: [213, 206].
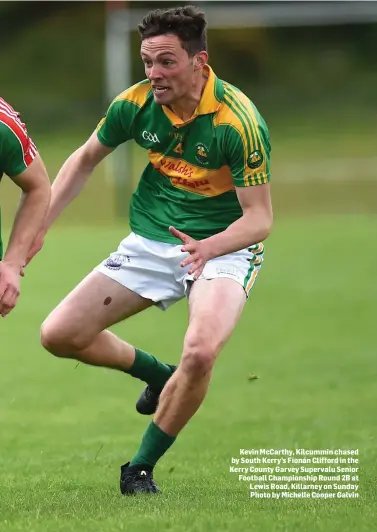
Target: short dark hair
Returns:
[187, 22]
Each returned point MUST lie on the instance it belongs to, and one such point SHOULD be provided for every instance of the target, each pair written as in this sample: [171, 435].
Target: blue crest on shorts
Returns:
[115, 262]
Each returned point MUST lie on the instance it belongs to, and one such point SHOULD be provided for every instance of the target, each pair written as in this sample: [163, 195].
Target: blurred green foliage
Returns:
[52, 57]
[315, 86]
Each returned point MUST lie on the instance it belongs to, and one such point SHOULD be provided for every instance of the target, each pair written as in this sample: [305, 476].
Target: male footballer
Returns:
[198, 216]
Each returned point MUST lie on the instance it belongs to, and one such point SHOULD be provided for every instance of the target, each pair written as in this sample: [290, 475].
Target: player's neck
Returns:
[185, 107]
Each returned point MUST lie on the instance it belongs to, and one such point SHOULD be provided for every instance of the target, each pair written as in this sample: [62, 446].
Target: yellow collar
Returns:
[208, 102]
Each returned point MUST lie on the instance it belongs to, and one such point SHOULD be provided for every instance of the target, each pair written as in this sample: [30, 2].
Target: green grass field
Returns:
[308, 332]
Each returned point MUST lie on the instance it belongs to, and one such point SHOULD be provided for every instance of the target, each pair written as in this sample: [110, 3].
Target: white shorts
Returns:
[152, 269]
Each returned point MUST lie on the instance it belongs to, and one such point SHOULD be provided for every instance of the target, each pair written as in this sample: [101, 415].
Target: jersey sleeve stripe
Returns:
[246, 123]
[10, 118]
[27, 154]
[22, 148]
[236, 100]
[32, 152]
[33, 149]
[241, 118]
[100, 124]
[15, 125]
[6, 106]
[252, 115]
[263, 176]
[11, 113]
[245, 103]
[248, 116]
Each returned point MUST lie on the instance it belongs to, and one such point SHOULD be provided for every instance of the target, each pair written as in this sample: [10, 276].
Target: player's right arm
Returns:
[68, 184]
[73, 175]
[112, 130]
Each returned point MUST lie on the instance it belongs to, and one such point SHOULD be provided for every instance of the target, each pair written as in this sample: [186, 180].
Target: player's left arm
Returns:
[248, 154]
[35, 198]
[247, 151]
[254, 225]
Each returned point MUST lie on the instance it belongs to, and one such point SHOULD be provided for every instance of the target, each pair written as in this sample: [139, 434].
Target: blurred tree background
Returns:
[315, 86]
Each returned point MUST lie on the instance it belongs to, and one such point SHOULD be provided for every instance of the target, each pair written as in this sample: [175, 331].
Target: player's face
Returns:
[168, 67]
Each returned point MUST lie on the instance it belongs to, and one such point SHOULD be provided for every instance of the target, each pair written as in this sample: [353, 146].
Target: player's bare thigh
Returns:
[95, 304]
[215, 307]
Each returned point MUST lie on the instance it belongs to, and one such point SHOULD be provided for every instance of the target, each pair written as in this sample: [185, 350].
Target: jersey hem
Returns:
[153, 236]
[167, 239]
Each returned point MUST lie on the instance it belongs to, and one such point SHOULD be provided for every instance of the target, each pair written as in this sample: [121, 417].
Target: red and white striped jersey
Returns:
[17, 150]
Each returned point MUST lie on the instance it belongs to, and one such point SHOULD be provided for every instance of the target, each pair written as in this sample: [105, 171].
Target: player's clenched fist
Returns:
[198, 252]
[9, 287]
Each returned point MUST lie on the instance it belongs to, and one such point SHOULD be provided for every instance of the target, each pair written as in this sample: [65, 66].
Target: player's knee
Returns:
[199, 355]
[58, 341]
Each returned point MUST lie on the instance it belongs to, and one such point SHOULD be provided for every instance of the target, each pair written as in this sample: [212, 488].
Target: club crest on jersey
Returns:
[255, 159]
[201, 154]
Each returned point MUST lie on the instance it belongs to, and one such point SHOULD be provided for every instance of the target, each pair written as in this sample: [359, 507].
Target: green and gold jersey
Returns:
[194, 165]
[17, 150]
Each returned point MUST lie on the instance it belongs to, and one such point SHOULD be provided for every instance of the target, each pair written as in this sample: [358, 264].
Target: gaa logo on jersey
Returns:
[152, 137]
[255, 159]
[114, 262]
[201, 154]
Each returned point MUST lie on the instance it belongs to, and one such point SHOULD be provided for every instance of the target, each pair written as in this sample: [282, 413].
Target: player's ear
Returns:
[200, 60]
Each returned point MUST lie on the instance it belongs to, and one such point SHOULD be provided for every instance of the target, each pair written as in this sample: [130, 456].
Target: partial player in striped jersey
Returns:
[20, 161]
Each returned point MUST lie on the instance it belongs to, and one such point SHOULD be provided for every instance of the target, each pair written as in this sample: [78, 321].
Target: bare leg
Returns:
[75, 329]
[215, 307]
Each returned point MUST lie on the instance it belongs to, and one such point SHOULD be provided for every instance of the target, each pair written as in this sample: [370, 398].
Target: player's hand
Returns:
[36, 247]
[197, 249]
[9, 287]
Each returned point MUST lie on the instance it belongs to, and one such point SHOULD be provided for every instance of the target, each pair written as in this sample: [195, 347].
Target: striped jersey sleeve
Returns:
[17, 150]
[247, 142]
[118, 124]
